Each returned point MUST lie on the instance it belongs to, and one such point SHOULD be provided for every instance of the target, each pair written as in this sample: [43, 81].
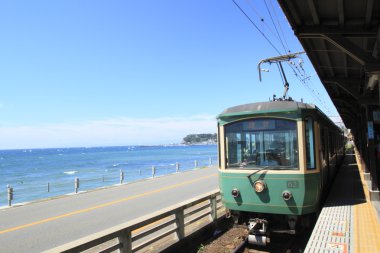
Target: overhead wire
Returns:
[257, 28]
[301, 75]
[275, 27]
[283, 41]
[299, 68]
[263, 20]
[279, 25]
[318, 96]
[279, 36]
[296, 68]
[261, 32]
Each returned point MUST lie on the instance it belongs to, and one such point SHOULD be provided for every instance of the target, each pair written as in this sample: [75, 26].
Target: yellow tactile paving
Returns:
[366, 225]
[348, 222]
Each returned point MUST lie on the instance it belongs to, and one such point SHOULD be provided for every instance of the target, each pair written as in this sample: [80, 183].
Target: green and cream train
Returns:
[276, 160]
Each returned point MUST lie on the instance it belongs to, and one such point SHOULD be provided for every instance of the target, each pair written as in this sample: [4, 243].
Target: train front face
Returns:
[264, 164]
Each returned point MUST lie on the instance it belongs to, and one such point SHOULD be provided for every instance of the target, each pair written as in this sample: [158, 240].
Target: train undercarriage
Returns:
[262, 225]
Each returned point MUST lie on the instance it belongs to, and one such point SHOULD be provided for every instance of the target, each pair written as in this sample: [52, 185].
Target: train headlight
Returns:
[235, 193]
[259, 186]
[287, 195]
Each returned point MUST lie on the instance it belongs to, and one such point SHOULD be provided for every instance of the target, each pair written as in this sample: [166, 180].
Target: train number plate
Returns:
[292, 184]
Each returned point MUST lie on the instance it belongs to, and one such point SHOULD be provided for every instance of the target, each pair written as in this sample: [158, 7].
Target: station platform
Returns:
[349, 221]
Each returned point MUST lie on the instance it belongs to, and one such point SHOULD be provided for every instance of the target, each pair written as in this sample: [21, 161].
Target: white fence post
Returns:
[121, 176]
[76, 184]
[10, 195]
[153, 171]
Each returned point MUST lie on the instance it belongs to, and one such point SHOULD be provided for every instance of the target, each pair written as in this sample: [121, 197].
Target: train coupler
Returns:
[258, 232]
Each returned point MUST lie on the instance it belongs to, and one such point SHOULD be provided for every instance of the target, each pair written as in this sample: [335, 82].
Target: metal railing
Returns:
[53, 189]
[157, 231]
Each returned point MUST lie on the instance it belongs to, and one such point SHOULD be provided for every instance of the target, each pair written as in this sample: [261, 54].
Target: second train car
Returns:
[276, 160]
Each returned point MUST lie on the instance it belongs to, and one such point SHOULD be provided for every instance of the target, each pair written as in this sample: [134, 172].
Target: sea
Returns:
[36, 174]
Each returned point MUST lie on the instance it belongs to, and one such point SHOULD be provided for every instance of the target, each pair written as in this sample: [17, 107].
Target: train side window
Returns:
[309, 136]
[323, 144]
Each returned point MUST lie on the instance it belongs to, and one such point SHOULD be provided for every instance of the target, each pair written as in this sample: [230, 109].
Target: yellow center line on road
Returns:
[104, 205]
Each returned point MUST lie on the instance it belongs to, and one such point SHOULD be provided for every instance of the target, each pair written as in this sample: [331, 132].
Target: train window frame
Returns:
[310, 144]
[258, 136]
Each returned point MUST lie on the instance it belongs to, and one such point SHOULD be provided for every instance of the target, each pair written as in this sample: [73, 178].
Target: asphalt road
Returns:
[43, 225]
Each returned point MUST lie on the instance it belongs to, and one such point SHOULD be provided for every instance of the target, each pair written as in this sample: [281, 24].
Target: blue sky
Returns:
[99, 73]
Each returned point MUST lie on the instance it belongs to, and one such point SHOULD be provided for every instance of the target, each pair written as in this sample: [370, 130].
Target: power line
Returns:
[261, 18]
[317, 95]
[257, 28]
[292, 65]
[267, 39]
[277, 36]
[275, 27]
[279, 25]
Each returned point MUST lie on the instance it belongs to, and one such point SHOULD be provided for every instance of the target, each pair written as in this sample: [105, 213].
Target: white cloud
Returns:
[115, 131]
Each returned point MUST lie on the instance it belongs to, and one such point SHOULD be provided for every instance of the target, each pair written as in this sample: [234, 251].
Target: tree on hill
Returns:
[200, 138]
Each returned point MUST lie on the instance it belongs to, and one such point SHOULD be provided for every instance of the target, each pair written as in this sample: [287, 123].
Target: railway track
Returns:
[234, 239]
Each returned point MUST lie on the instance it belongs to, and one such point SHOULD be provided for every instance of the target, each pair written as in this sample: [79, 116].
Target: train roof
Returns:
[264, 107]
[292, 109]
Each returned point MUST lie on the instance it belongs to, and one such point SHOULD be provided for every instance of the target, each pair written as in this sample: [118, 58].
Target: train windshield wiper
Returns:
[263, 168]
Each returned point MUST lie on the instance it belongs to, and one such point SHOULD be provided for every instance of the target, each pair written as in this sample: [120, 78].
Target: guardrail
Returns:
[158, 230]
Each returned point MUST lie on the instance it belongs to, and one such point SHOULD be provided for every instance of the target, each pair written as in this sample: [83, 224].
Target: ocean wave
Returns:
[71, 172]
[118, 165]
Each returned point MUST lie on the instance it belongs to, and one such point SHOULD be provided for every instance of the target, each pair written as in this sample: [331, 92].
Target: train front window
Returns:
[262, 143]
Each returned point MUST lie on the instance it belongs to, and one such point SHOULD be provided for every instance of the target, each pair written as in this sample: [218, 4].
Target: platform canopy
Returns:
[342, 40]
